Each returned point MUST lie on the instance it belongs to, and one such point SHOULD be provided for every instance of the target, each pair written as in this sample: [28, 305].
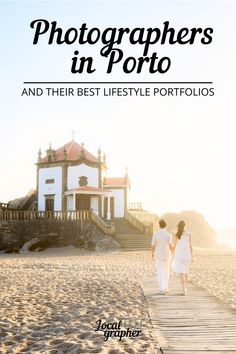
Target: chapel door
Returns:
[49, 203]
[49, 206]
[82, 202]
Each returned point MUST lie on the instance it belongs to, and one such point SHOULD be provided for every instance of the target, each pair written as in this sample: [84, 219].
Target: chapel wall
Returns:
[74, 172]
[55, 188]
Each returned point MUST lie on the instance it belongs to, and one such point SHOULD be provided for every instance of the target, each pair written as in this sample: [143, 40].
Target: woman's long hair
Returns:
[181, 226]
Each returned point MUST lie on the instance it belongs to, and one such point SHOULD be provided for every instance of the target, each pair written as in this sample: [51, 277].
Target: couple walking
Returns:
[163, 249]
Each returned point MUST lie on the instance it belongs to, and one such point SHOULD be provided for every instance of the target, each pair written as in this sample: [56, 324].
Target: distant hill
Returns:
[202, 233]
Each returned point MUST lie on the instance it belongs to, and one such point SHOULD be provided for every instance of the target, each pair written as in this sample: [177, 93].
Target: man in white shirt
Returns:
[161, 248]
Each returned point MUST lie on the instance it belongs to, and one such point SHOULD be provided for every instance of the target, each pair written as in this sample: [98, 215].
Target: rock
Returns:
[26, 247]
[107, 244]
[42, 244]
[39, 249]
[79, 243]
[91, 246]
[202, 234]
[40, 234]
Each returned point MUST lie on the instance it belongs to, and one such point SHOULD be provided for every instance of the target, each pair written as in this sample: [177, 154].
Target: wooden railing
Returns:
[7, 215]
[135, 206]
[145, 228]
[108, 229]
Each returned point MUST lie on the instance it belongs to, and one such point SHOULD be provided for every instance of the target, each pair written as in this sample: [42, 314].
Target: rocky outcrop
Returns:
[28, 202]
[27, 246]
[202, 233]
[107, 244]
[37, 235]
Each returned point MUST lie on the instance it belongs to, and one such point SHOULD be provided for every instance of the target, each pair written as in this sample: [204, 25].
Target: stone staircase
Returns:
[129, 237]
[123, 227]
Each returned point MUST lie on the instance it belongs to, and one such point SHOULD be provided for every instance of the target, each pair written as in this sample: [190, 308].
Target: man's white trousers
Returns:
[162, 272]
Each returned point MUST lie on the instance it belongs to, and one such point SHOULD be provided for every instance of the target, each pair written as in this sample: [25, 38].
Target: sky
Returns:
[180, 151]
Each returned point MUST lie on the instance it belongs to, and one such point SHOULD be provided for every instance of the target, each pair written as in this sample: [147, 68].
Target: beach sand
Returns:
[50, 301]
[215, 270]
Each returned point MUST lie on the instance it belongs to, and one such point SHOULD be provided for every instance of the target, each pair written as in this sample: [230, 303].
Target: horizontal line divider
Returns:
[117, 82]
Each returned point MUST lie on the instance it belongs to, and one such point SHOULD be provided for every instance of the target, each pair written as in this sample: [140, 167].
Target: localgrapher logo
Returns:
[129, 327]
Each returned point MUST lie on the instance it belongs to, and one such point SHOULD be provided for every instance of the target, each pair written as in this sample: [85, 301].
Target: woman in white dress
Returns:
[183, 254]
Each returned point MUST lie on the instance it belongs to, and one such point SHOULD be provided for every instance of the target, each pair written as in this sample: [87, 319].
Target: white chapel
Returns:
[71, 178]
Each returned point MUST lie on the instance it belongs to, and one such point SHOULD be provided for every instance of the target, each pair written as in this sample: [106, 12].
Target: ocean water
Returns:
[227, 238]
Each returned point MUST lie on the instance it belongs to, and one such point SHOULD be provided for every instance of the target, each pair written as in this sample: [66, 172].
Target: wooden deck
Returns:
[194, 324]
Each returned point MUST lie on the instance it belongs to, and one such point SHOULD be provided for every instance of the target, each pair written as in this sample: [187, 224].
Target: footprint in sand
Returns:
[19, 337]
[146, 345]
[84, 335]
[9, 343]
[35, 328]
[84, 328]
[144, 350]
[3, 334]
[65, 346]
[115, 351]
[97, 350]
[56, 341]
[37, 334]
[98, 341]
